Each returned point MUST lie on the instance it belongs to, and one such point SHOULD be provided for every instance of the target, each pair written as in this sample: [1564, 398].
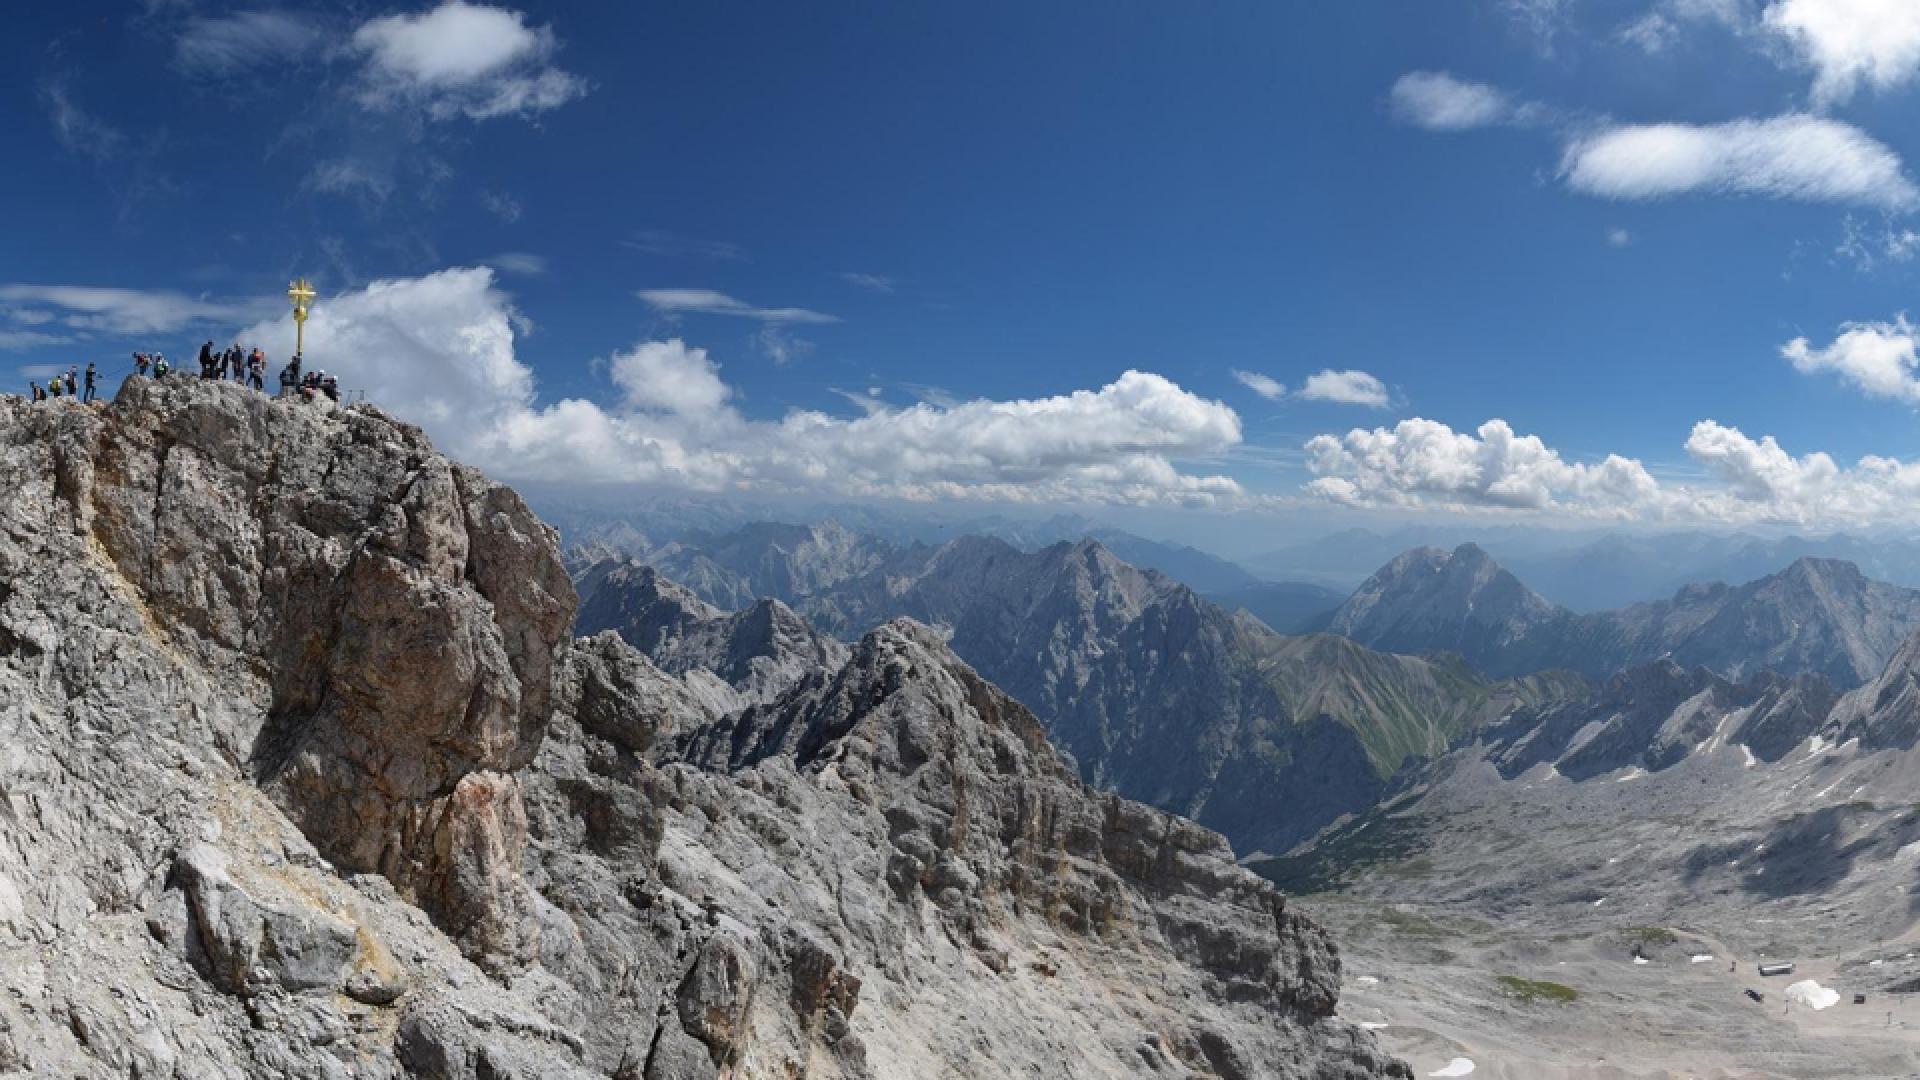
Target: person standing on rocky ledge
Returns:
[93, 377]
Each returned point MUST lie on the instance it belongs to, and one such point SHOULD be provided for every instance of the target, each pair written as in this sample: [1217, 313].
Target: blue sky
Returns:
[876, 250]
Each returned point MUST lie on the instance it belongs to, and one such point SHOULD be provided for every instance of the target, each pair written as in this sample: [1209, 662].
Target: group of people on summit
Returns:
[69, 384]
[240, 365]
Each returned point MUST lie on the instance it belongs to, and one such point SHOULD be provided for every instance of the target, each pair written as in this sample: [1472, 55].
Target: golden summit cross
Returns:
[301, 293]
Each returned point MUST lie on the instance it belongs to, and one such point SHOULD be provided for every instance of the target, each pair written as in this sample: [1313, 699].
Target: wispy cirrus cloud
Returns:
[711, 302]
[122, 312]
[1798, 156]
[672, 245]
[879, 283]
[519, 262]
[243, 41]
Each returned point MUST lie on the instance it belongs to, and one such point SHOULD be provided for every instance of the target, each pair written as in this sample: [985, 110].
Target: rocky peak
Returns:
[307, 778]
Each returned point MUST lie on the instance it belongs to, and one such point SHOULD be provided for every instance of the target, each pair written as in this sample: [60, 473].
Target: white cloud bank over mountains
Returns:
[1425, 465]
[440, 351]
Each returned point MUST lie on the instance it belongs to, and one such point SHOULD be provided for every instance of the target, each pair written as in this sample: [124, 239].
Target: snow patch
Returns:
[1811, 994]
[1368, 980]
[1641, 960]
[1751, 760]
[1701, 958]
[1600, 901]
[1634, 773]
[1456, 1067]
[1373, 1025]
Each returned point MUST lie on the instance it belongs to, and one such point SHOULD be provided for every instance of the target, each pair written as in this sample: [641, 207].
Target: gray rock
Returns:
[304, 777]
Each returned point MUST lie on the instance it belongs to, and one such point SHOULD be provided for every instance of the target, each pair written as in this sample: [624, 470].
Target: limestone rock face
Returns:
[303, 776]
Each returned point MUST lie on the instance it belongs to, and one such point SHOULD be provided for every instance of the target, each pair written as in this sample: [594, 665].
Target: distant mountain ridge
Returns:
[1819, 616]
[1156, 692]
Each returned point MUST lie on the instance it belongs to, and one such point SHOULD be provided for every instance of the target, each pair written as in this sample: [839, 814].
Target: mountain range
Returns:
[307, 776]
[1818, 616]
[1156, 692]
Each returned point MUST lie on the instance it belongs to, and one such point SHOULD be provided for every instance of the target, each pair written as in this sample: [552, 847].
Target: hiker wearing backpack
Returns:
[53, 386]
[92, 377]
[38, 394]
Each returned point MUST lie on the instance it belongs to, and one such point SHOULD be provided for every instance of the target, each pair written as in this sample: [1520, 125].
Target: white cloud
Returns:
[519, 262]
[1789, 157]
[1619, 238]
[879, 283]
[462, 59]
[124, 312]
[245, 40]
[1264, 385]
[1879, 358]
[662, 242]
[345, 176]
[30, 339]
[709, 302]
[79, 130]
[501, 205]
[1661, 26]
[1425, 465]
[1851, 43]
[1437, 101]
[780, 345]
[1346, 388]
[439, 350]
[1543, 19]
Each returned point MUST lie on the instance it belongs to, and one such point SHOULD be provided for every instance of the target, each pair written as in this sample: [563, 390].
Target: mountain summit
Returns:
[1817, 616]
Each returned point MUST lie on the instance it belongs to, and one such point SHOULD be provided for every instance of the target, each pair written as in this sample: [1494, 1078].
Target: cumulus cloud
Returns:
[1850, 44]
[1437, 101]
[1345, 388]
[1426, 465]
[1796, 156]
[1878, 358]
[1264, 385]
[462, 59]
[124, 312]
[709, 302]
[245, 40]
[439, 350]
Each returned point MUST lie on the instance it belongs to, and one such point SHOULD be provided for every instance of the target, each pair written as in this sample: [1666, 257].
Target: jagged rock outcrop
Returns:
[1818, 616]
[737, 658]
[304, 777]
